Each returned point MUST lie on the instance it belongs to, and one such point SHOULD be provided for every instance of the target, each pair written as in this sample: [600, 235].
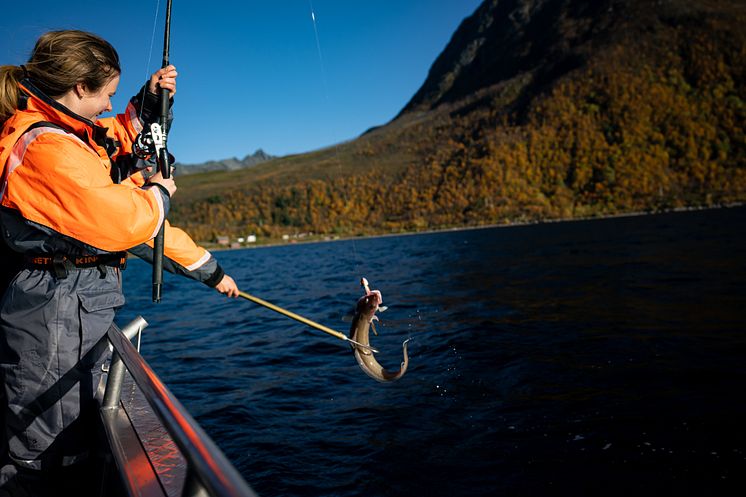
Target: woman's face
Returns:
[92, 104]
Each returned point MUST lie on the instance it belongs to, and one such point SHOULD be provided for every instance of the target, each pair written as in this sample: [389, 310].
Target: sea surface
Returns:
[600, 357]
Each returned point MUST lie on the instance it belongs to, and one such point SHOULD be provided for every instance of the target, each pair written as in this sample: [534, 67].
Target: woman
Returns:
[71, 204]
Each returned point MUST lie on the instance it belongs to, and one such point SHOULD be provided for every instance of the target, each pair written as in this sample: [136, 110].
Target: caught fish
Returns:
[365, 314]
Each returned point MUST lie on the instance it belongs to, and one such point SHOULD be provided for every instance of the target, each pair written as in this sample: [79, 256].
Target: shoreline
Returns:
[210, 247]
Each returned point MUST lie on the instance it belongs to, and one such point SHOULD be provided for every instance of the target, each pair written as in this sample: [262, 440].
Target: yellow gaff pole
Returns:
[303, 320]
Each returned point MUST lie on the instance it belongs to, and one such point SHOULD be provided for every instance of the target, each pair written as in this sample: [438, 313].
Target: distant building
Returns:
[251, 239]
[223, 240]
[241, 239]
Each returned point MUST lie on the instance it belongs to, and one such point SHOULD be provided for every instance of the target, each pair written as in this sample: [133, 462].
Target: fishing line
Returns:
[318, 50]
[150, 52]
[356, 257]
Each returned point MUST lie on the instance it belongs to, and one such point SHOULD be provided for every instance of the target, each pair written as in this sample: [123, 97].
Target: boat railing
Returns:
[208, 471]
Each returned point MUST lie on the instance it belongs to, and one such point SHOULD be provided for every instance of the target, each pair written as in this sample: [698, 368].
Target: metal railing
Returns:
[208, 471]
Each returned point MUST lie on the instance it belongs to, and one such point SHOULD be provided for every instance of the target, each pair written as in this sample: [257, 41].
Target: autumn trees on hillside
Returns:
[646, 124]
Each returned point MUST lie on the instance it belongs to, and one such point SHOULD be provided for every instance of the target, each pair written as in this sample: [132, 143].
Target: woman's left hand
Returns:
[163, 78]
[227, 287]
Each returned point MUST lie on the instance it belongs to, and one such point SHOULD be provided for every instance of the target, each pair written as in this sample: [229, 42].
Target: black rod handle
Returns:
[158, 265]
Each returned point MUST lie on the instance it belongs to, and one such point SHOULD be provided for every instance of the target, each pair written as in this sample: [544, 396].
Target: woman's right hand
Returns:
[169, 184]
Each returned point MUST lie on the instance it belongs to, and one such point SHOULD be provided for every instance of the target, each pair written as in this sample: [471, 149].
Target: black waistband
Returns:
[62, 264]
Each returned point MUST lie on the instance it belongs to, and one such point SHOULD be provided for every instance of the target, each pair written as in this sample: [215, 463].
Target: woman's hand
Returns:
[163, 78]
[227, 287]
[169, 184]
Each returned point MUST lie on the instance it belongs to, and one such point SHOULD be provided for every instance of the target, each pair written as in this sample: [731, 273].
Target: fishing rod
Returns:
[303, 320]
[164, 164]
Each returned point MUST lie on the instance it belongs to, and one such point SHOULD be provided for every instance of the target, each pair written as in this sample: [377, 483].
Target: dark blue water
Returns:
[603, 357]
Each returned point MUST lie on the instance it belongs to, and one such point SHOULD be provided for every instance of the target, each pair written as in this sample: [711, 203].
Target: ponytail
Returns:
[9, 78]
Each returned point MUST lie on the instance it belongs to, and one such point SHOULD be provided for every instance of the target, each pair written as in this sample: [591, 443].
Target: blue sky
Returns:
[260, 74]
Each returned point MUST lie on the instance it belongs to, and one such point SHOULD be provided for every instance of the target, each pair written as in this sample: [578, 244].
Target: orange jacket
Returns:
[56, 177]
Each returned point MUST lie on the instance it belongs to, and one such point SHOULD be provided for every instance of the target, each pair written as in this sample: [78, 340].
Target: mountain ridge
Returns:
[230, 164]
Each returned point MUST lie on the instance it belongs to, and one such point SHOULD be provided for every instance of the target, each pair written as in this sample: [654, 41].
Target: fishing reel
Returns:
[150, 142]
[149, 147]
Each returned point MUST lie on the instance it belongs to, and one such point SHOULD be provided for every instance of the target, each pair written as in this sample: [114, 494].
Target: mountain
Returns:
[535, 110]
[505, 40]
[223, 165]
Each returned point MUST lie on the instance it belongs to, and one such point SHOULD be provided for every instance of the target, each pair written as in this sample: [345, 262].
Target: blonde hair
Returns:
[60, 60]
